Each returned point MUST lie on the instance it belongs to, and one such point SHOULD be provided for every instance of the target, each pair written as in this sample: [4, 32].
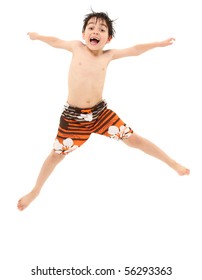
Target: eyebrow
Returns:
[100, 24]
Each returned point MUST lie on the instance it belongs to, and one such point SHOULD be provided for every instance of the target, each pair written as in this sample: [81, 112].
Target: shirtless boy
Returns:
[85, 111]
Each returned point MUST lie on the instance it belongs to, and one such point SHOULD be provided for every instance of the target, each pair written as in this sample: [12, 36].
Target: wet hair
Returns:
[102, 16]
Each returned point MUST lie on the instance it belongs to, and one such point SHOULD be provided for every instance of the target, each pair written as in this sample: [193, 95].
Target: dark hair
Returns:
[102, 16]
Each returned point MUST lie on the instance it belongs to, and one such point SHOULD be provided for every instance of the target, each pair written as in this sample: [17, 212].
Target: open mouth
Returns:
[94, 41]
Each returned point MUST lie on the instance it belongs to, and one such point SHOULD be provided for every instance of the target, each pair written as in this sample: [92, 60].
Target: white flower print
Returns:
[119, 133]
[86, 117]
[67, 146]
[113, 131]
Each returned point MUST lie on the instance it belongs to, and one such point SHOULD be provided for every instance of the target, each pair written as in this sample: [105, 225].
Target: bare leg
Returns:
[47, 168]
[136, 141]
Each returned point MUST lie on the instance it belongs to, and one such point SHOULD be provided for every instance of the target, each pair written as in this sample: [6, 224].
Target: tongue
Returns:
[94, 42]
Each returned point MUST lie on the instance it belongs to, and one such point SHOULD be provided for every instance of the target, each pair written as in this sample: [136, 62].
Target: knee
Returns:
[56, 158]
[134, 141]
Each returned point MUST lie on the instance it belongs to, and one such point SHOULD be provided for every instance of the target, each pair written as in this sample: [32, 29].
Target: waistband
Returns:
[90, 109]
[83, 114]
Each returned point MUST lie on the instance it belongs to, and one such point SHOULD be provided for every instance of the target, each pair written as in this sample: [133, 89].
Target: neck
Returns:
[94, 52]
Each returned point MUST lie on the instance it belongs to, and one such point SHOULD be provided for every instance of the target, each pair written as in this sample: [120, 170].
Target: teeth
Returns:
[94, 39]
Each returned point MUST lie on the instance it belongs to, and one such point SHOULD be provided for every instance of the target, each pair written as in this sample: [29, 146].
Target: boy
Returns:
[85, 111]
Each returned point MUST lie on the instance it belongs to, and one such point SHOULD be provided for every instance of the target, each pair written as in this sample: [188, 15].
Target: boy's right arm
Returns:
[53, 41]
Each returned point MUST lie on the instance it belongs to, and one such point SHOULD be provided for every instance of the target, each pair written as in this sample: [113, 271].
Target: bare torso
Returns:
[86, 76]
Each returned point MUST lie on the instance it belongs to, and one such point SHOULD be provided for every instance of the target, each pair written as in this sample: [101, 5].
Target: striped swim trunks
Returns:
[77, 124]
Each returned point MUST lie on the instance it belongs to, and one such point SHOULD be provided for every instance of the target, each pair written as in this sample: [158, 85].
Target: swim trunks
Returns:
[77, 124]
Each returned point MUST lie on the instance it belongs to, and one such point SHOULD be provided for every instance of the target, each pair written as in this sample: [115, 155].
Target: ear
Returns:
[83, 35]
[109, 39]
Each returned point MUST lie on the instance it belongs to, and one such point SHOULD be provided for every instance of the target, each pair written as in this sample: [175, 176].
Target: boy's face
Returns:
[96, 34]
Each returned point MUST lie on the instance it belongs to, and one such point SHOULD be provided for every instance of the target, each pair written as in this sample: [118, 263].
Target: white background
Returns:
[106, 205]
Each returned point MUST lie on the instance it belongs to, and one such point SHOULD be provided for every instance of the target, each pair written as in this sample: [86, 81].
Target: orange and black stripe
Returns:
[78, 124]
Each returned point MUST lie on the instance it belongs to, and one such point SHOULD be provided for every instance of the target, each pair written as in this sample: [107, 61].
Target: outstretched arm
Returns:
[141, 48]
[53, 41]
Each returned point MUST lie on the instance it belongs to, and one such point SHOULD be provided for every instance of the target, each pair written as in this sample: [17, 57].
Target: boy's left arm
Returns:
[140, 48]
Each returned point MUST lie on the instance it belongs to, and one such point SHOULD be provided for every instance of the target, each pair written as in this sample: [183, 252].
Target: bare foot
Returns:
[26, 200]
[181, 170]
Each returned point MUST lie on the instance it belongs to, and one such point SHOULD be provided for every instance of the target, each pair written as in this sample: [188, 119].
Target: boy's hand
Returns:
[167, 42]
[33, 35]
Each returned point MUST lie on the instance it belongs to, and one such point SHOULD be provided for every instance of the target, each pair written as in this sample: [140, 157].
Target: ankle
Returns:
[172, 163]
[35, 193]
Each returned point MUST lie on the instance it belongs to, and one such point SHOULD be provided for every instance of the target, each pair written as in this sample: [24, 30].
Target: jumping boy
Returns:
[85, 111]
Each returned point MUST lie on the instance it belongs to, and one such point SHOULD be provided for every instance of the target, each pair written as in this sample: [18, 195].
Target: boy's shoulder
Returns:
[77, 43]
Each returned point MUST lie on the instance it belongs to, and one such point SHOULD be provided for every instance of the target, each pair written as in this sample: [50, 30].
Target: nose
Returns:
[95, 32]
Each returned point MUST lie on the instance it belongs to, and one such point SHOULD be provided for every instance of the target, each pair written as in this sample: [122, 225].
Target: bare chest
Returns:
[88, 67]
